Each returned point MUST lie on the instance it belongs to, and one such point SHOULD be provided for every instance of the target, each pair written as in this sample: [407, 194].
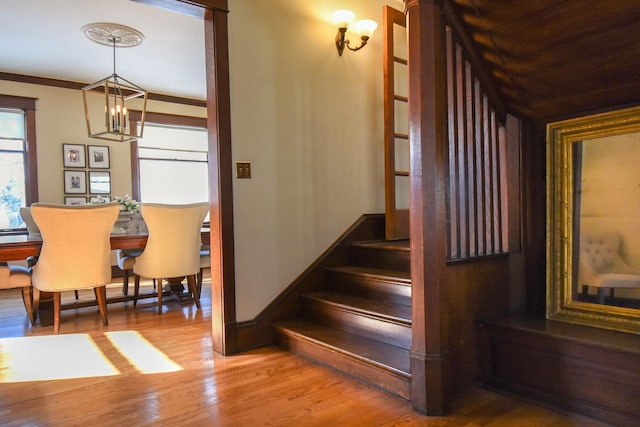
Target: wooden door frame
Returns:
[396, 219]
[223, 310]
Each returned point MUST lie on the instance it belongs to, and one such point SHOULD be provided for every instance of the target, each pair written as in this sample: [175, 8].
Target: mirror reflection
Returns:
[593, 214]
[607, 201]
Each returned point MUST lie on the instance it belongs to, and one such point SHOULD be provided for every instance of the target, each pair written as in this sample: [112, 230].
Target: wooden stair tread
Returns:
[389, 311]
[395, 276]
[391, 245]
[384, 356]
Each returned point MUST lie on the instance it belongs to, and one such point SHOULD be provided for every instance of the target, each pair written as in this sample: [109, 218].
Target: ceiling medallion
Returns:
[107, 33]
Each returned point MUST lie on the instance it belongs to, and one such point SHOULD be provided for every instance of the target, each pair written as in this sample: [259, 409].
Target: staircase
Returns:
[360, 323]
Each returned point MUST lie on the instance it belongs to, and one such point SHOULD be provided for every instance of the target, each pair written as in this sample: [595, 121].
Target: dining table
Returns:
[20, 246]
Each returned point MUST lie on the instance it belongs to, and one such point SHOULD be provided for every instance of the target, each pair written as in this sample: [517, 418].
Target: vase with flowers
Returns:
[130, 220]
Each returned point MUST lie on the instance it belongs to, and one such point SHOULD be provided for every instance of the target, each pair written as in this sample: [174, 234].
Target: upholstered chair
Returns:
[601, 265]
[173, 245]
[32, 227]
[34, 231]
[18, 277]
[75, 254]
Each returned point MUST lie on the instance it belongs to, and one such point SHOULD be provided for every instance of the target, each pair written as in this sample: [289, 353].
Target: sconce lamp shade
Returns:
[366, 27]
[342, 18]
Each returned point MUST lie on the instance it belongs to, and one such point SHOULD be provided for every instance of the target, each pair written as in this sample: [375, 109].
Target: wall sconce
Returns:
[365, 28]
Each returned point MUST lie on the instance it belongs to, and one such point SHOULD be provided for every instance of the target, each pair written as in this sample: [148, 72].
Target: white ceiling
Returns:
[43, 38]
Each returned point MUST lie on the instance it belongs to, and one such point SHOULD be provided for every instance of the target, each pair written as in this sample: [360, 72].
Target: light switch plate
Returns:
[243, 170]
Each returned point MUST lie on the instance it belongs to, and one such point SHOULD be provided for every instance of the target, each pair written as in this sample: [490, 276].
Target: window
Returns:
[172, 161]
[18, 176]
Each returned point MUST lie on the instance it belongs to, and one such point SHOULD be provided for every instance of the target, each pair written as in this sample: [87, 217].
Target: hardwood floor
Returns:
[263, 387]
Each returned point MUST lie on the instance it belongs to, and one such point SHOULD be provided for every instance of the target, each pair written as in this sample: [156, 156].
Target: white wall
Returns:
[311, 124]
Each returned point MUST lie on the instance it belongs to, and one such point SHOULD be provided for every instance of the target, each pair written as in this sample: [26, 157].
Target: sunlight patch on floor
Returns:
[142, 354]
[52, 357]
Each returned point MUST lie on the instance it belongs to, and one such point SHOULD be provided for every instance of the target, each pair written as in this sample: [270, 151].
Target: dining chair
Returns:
[27, 218]
[18, 277]
[173, 246]
[34, 231]
[75, 254]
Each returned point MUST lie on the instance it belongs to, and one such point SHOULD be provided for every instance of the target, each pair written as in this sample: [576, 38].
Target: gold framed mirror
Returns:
[593, 220]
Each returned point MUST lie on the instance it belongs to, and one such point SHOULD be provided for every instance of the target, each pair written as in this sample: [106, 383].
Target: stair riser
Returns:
[387, 381]
[380, 258]
[370, 327]
[367, 287]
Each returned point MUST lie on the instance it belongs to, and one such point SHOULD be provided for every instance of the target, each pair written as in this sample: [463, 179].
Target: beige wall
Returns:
[310, 122]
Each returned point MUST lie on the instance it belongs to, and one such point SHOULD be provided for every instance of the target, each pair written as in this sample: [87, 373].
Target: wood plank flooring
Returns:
[263, 387]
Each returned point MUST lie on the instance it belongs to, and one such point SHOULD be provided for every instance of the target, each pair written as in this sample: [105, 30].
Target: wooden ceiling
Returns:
[556, 58]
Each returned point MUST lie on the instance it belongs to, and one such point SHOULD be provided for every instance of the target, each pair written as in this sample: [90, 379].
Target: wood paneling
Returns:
[588, 370]
[550, 58]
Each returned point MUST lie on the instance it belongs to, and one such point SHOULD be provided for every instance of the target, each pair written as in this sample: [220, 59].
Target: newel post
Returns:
[430, 371]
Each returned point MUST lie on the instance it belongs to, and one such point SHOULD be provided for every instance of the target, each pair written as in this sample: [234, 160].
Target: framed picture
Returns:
[73, 156]
[99, 199]
[75, 200]
[99, 182]
[75, 182]
[98, 156]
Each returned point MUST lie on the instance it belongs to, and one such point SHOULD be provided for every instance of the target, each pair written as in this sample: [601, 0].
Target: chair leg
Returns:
[159, 295]
[36, 302]
[27, 298]
[136, 289]
[125, 283]
[101, 293]
[199, 282]
[56, 312]
[191, 281]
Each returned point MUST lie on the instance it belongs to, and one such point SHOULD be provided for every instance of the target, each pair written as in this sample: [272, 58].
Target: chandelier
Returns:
[117, 90]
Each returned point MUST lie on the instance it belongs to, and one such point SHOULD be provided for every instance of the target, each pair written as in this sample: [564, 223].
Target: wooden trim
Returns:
[28, 105]
[397, 219]
[32, 159]
[170, 119]
[223, 297]
[65, 84]
[21, 102]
